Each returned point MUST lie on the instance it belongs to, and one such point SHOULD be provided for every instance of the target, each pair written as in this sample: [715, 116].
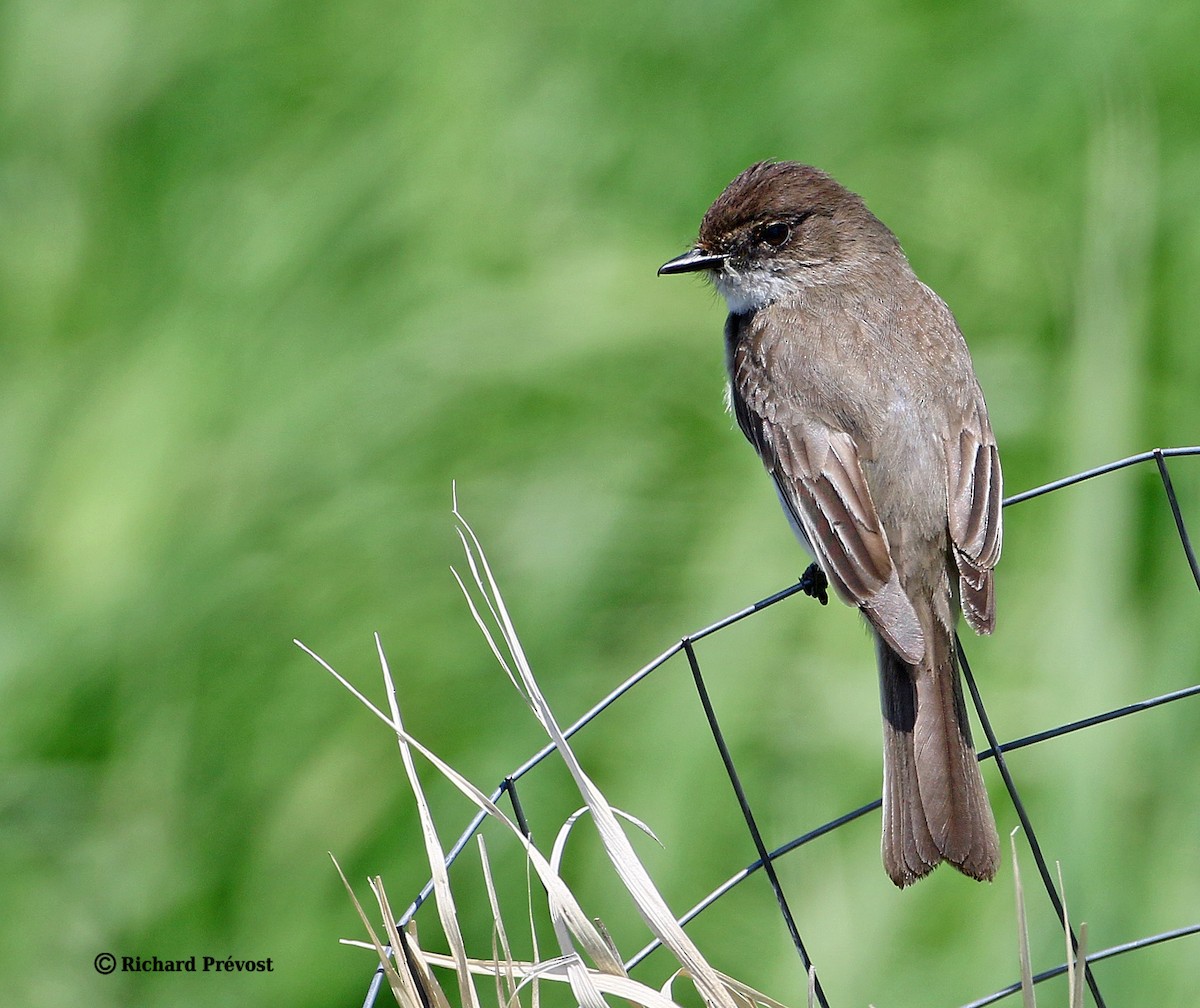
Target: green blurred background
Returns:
[272, 275]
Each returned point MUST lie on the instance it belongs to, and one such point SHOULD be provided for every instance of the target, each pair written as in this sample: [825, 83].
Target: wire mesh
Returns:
[996, 751]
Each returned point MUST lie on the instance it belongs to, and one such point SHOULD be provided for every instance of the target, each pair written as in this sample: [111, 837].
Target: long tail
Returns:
[935, 807]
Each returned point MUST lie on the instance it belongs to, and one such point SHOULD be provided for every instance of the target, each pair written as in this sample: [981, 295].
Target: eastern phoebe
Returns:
[853, 383]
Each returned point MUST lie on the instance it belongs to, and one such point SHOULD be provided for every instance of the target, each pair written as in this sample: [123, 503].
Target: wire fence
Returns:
[765, 862]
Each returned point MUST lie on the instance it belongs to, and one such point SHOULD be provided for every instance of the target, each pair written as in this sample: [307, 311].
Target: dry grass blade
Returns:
[346, 684]
[648, 900]
[414, 958]
[523, 969]
[1028, 998]
[403, 987]
[558, 970]
[410, 973]
[408, 962]
[436, 855]
[1076, 961]
[743, 995]
[535, 999]
[567, 917]
[756, 997]
[562, 902]
[560, 841]
[506, 984]
[499, 617]
[1080, 967]
[1066, 920]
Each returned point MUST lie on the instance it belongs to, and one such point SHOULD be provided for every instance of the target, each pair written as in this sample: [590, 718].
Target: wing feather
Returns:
[821, 483]
[975, 495]
[833, 507]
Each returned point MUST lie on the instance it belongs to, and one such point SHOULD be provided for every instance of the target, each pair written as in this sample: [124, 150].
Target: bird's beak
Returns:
[691, 262]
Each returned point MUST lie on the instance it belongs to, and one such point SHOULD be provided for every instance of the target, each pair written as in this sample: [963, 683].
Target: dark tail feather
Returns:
[935, 807]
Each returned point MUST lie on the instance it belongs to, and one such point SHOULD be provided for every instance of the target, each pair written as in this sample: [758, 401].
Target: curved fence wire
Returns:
[509, 786]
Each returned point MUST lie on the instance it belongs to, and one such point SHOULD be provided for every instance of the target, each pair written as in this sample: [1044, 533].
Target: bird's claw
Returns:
[814, 584]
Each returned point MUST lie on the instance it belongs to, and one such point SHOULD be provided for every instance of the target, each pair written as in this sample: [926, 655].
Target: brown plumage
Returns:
[853, 383]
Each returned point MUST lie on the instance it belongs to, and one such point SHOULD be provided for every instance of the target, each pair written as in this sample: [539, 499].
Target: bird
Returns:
[852, 381]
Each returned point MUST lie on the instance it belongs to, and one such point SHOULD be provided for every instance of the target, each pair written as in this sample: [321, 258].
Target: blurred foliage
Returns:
[274, 274]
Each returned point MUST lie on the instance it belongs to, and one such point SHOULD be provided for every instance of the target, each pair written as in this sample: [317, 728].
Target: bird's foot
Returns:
[814, 584]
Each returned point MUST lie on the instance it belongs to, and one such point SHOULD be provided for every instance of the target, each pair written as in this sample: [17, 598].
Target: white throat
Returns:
[747, 292]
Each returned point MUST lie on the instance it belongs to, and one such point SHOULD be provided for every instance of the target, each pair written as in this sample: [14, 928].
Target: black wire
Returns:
[1093, 957]
[1026, 824]
[510, 785]
[376, 982]
[858, 813]
[587, 718]
[1181, 528]
[1095, 719]
[1099, 471]
[766, 858]
[747, 814]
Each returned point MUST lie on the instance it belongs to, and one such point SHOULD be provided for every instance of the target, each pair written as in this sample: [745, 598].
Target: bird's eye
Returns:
[776, 234]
